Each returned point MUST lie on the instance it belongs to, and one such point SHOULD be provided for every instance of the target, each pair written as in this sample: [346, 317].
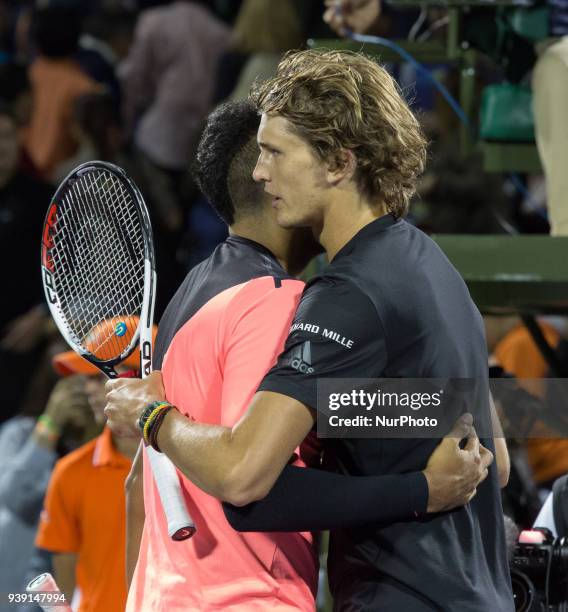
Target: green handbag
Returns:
[506, 113]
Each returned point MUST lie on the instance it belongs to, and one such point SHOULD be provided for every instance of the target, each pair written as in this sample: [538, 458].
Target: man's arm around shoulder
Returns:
[239, 464]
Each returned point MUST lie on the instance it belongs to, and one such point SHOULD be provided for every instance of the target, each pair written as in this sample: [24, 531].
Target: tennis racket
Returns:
[98, 271]
[48, 596]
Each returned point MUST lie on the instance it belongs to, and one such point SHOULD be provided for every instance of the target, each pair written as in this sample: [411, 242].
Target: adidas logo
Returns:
[301, 358]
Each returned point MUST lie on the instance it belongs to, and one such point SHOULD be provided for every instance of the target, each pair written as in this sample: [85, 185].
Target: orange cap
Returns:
[102, 342]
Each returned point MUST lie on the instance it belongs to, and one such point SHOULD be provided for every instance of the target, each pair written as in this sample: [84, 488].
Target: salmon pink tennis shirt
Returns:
[220, 334]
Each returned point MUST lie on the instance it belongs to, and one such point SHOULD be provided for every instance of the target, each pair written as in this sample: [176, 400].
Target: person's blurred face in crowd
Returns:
[96, 396]
[68, 407]
[9, 148]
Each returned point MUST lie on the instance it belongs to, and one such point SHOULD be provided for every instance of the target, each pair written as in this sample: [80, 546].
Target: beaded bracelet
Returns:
[147, 412]
[153, 424]
[149, 422]
[155, 427]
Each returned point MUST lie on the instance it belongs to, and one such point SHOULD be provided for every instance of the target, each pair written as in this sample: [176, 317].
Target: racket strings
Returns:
[90, 281]
[91, 241]
[124, 243]
[128, 220]
[99, 266]
[121, 241]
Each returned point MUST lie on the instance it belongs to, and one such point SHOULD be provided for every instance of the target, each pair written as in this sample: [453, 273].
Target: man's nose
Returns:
[259, 174]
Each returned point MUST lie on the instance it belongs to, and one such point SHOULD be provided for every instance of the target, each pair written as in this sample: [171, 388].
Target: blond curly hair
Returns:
[342, 100]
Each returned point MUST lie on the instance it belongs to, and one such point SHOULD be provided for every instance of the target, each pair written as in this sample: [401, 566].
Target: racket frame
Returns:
[143, 334]
[180, 526]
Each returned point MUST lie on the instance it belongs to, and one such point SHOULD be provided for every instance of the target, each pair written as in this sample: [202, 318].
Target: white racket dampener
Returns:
[99, 277]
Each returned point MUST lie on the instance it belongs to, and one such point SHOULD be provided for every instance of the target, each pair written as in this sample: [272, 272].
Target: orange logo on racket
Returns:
[47, 242]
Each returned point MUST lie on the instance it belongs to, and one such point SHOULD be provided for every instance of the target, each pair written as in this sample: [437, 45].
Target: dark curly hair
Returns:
[343, 100]
[225, 159]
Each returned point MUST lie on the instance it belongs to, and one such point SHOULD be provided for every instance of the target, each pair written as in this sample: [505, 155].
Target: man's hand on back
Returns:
[453, 474]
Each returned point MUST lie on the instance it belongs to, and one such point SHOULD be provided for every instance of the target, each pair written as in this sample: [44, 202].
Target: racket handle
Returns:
[180, 523]
[45, 583]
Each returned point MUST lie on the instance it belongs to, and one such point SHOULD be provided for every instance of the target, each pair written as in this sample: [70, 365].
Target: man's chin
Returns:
[286, 221]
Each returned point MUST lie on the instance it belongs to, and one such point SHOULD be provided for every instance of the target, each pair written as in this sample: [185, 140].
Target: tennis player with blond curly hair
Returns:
[340, 152]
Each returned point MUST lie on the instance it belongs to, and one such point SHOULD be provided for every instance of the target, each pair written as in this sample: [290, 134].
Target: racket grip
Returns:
[180, 523]
[45, 583]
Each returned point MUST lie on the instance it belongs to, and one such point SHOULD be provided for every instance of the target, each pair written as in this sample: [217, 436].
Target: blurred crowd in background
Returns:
[131, 82]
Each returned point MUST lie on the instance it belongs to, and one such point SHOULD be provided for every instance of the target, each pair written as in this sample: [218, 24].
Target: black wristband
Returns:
[147, 412]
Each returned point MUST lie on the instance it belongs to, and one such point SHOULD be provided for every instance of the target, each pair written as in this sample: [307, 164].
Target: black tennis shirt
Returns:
[399, 310]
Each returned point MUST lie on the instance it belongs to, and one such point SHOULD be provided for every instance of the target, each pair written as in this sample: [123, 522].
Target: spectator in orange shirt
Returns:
[57, 81]
[83, 521]
[516, 352]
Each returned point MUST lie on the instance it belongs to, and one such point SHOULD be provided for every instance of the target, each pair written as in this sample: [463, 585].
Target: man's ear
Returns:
[341, 166]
